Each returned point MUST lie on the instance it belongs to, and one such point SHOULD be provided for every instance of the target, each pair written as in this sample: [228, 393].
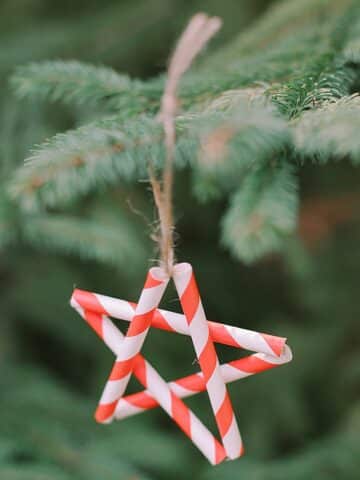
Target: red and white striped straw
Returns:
[150, 297]
[176, 322]
[190, 300]
[192, 384]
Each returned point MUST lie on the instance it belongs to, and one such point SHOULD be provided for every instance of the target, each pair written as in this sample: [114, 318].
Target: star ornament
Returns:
[97, 309]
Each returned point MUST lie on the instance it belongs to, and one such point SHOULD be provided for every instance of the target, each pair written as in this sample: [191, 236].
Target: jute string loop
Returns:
[195, 36]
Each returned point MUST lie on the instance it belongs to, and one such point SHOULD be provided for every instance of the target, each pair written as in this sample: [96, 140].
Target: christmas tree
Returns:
[266, 198]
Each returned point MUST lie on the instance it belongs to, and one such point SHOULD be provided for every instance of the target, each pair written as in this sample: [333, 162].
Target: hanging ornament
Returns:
[97, 309]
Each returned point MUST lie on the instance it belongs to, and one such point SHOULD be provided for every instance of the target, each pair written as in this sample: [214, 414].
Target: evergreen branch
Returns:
[295, 60]
[235, 136]
[90, 157]
[269, 66]
[249, 135]
[243, 138]
[99, 154]
[78, 83]
[323, 81]
[75, 82]
[115, 243]
[330, 132]
[262, 213]
[236, 99]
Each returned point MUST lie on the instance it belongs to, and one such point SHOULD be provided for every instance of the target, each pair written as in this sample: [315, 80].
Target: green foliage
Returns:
[77, 83]
[338, 458]
[322, 83]
[330, 131]
[262, 212]
[92, 156]
[235, 133]
[267, 140]
[244, 136]
[83, 453]
[115, 242]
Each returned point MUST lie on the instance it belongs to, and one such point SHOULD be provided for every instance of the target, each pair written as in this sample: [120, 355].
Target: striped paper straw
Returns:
[190, 300]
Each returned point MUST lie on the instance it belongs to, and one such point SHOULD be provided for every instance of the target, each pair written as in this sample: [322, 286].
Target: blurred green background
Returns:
[299, 421]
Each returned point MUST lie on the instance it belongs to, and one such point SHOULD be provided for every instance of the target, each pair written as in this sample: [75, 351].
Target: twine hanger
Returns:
[195, 36]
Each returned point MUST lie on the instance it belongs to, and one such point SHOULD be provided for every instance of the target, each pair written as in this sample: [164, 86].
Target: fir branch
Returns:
[90, 157]
[230, 100]
[100, 154]
[323, 81]
[235, 136]
[78, 83]
[115, 243]
[247, 136]
[306, 53]
[269, 66]
[330, 132]
[262, 213]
